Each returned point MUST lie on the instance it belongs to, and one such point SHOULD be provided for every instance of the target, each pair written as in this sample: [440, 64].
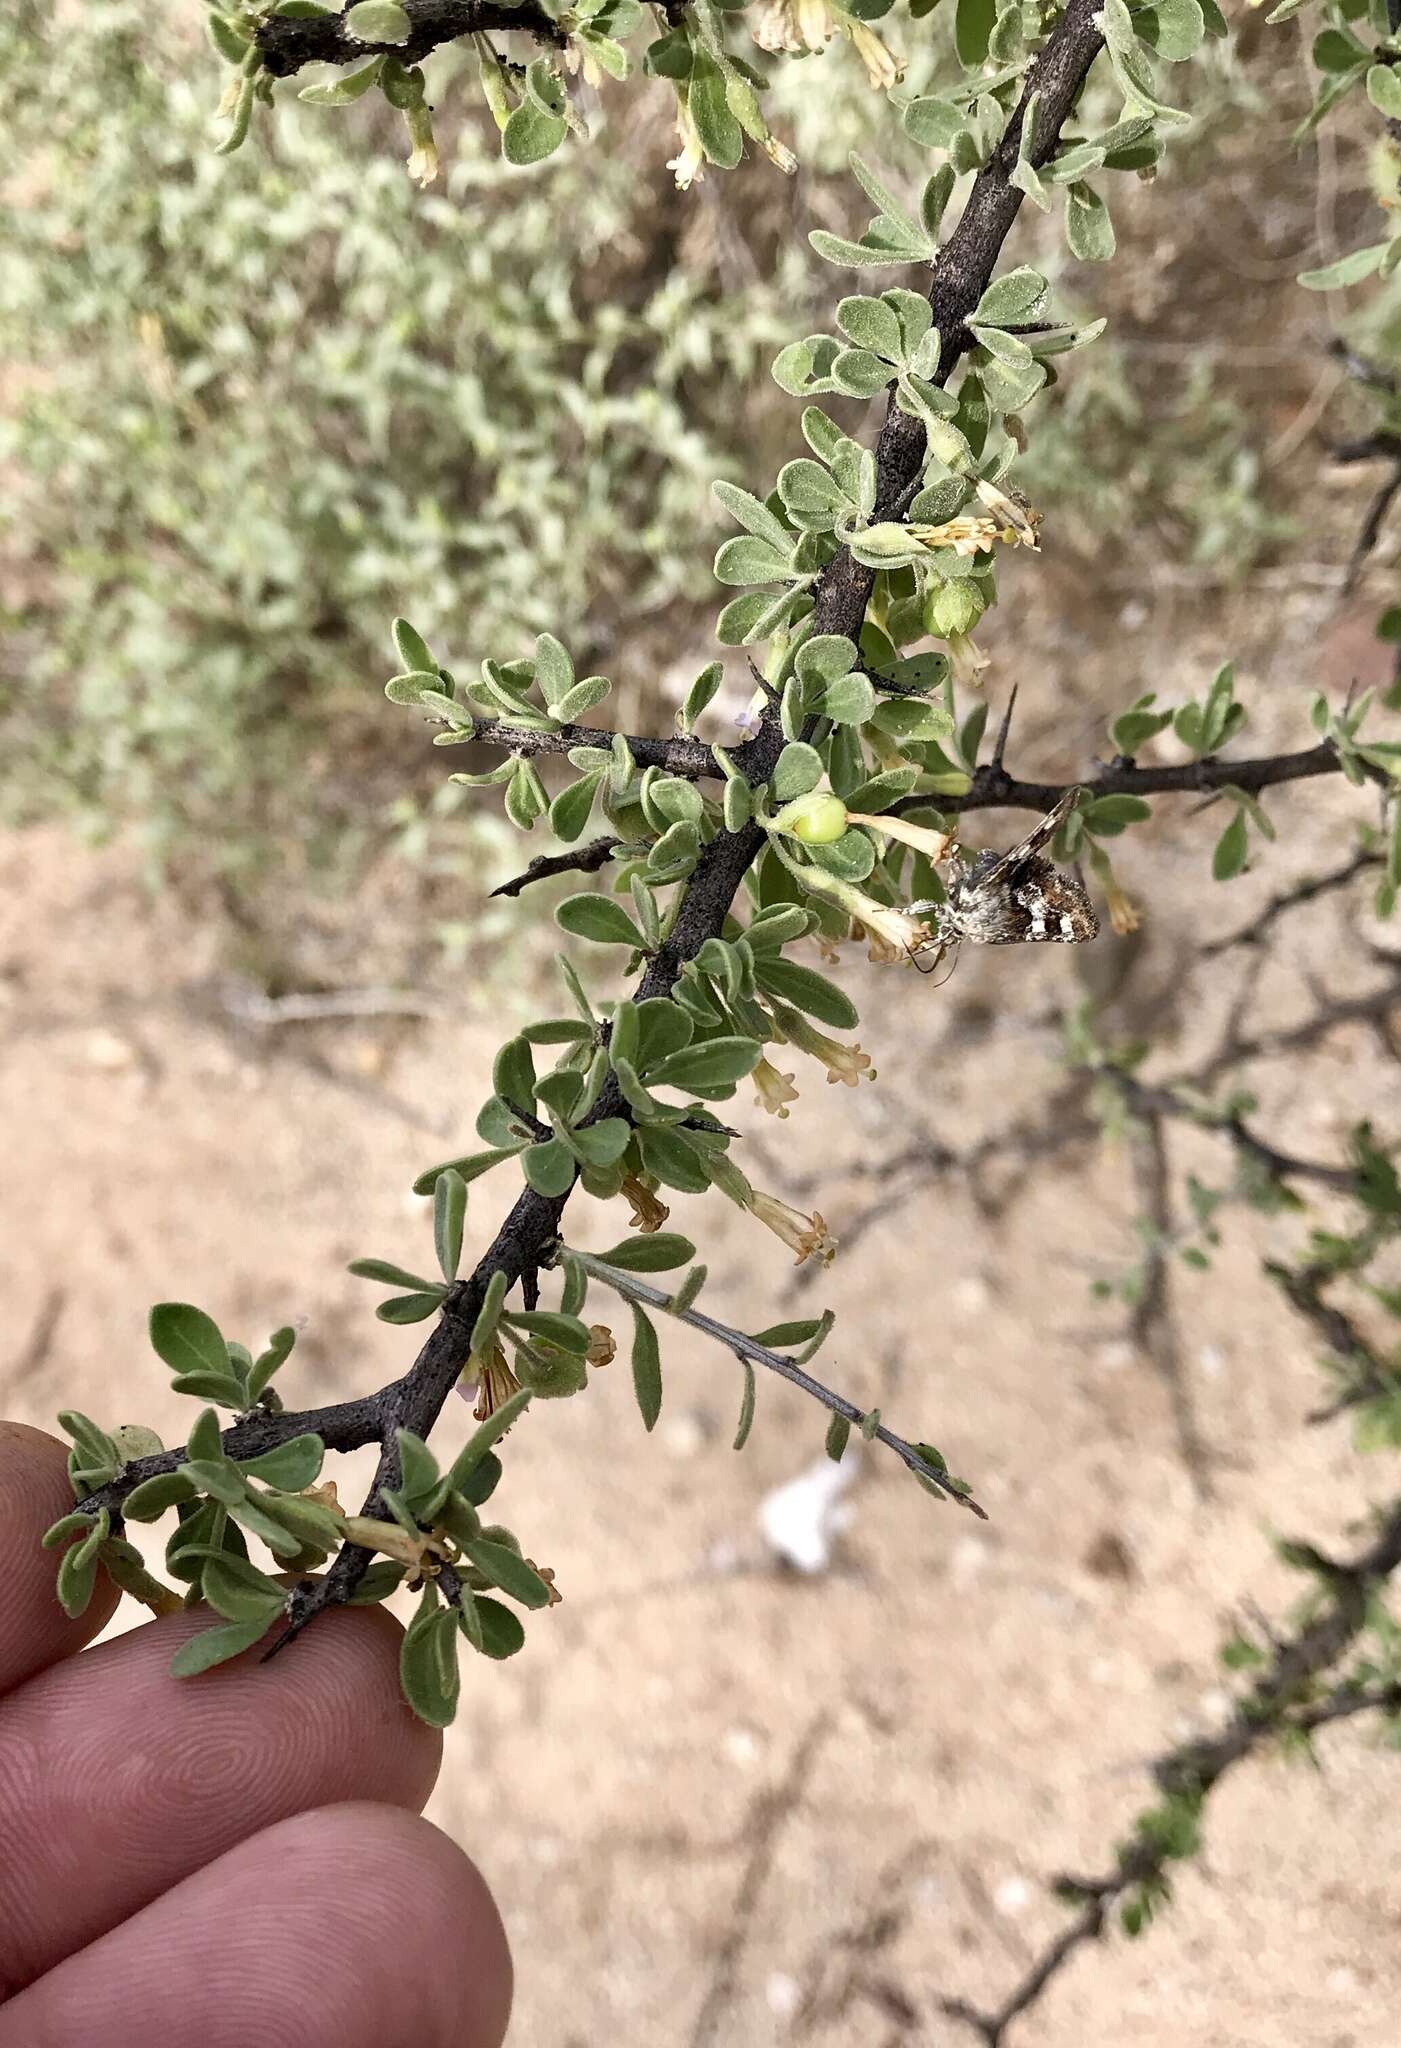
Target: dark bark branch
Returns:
[1279, 906]
[689, 758]
[960, 275]
[583, 860]
[993, 789]
[287, 43]
[1271, 1708]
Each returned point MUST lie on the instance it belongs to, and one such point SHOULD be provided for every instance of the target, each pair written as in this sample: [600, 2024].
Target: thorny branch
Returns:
[287, 42]
[993, 789]
[1278, 1704]
[959, 276]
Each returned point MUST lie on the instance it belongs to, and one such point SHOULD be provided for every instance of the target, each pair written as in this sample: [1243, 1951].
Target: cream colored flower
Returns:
[794, 25]
[1124, 914]
[393, 1540]
[845, 1063]
[773, 1091]
[934, 845]
[806, 1235]
[781, 155]
[965, 535]
[648, 1214]
[491, 1379]
[883, 67]
[423, 158]
[1018, 521]
[968, 661]
[690, 157]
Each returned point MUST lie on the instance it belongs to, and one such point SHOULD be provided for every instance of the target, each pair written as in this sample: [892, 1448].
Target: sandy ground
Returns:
[721, 1802]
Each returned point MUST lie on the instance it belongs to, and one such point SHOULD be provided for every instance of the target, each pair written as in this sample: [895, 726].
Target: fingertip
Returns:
[35, 1492]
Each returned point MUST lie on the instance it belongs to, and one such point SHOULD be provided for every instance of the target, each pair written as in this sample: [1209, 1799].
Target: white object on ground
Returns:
[800, 1519]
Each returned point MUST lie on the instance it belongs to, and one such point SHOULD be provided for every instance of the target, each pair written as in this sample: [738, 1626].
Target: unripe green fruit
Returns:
[818, 819]
[952, 608]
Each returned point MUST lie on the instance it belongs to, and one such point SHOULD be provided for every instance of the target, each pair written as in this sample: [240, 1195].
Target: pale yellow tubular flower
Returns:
[1019, 520]
[1124, 914]
[688, 162]
[934, 845]
[883, 67]
[779, 154]
[815, 23]
[772, 1091]
[806, 1235]
[965, 535]
[490, 1378]
[967, 659]
[648, 1214]
[423, 158]
[892, 934]
[845, 1063]
[392, 1540]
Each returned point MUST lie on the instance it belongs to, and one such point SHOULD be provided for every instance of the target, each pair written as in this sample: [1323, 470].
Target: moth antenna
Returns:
[1000, 749]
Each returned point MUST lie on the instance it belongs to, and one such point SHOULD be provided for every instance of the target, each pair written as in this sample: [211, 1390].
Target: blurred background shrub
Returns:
[259, 404]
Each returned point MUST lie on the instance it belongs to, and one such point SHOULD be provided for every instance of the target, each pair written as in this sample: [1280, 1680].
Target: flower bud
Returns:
[952, 608]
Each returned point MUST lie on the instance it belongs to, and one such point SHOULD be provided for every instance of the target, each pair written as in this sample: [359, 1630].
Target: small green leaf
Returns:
[569, 813]
[409, 1308]
[599, 918]
[646, 1367]
[528, 138]
[1347, 270]
[449, 1212]
[1231, 850]
[502, 1633]
[838, 1430]
[746, 1406]
[508, 1571]
[240, 1592]
[340, 92]
[428, 1670]
[716, 1063]
[216, 1646]
[389, 1274]
[657, 1252]
[188, 1340]
[809, 991]
[549, 1167]
[377, 21]
[1017, 297]
[291, 1466]
[799, 769]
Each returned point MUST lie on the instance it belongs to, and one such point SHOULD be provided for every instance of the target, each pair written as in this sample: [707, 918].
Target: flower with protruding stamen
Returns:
[490, 1379]
[845, 1063]
[883, 67]
[773, 1091]
[1019, 520]
[648, 1214]
[967, 660]
[806, 1235]
[794, 25]
[1124, 914]
[688, 162]
[933, 845]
